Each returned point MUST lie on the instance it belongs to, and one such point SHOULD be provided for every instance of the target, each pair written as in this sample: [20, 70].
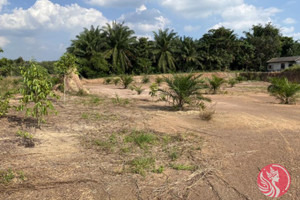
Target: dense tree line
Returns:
[113, 49]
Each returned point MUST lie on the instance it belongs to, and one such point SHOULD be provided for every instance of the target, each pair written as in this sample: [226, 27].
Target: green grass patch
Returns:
[6, 176]
[141, 138]
[183, 167]
[141, 165]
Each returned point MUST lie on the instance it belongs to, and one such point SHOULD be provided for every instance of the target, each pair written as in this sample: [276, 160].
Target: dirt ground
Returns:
[85, 151]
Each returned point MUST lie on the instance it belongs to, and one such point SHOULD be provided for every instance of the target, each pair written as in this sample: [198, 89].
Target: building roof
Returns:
[284, 59]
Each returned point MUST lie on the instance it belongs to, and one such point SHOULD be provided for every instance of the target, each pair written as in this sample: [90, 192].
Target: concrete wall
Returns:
[277, 66]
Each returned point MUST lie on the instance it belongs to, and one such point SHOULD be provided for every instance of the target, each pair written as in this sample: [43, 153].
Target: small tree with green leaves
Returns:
[126, 80]
[36, 90]
[64, 67]
[4, 104]
[184, 89]
[153, 89]
[284, 90]
[215, 83]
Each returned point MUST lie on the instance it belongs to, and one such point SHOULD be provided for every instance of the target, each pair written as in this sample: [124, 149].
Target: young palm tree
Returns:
[119, 39]
[215, 83]
[284, 90]
[126, 80]
[163, 49]
[184, 89]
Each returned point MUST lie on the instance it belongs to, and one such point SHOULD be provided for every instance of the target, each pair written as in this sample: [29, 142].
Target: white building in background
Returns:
[278, 64]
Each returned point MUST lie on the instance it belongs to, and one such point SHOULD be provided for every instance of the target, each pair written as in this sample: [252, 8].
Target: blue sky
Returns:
[43, 29]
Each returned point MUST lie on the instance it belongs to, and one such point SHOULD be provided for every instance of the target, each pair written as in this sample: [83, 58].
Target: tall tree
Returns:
[119, 39]
[188, 54]
[88, 47]
[218, 48]
[164, 49]
[267, 44]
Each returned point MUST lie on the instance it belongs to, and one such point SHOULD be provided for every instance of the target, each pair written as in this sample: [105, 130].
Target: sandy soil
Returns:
[249, 131]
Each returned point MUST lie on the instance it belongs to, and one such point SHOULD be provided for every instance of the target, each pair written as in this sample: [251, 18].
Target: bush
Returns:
[159, 80]
[116, 81]
[145, 79]
[215, 83]
[107, 80]
[4, 105]
[138, 89]
[153, 89]
[232, 82]
[126, 80]
[184, 89]
[37, 89]
[284, 90]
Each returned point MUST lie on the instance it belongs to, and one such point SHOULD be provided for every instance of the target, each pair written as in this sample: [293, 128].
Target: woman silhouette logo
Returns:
[274, 180]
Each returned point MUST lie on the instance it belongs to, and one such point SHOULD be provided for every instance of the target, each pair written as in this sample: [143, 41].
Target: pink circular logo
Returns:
[274, 180]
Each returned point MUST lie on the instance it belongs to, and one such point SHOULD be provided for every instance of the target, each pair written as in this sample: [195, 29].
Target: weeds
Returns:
[183, 167]
[27, 138]
[141, 165]
[7, 176]
[120, 101]
[141, 138]
[159, 170]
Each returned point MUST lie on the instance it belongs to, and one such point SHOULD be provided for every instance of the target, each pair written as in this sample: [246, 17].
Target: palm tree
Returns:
[189, 52]
[119, 39]
[87, 43]
[163, 49]
[1, 50]
[88, 47]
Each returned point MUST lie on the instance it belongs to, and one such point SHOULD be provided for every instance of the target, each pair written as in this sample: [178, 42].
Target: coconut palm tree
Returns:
[164, 50]
[119, 39]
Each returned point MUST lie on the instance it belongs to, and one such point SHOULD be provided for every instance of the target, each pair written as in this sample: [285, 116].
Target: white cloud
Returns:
[117, 3]
[46, 15]
[190, 28]
[3, 3]
[142, 8]
[144, 21]
[243, 16]
[4, 41]
[289, 21]
[201, 8]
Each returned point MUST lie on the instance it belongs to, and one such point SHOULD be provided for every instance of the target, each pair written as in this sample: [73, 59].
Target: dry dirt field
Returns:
[93, 148]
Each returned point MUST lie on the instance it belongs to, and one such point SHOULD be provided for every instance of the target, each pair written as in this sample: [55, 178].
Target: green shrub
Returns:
[284, 90]
[37, 89]
[215, 83]
[159, 80]
[145, 79]
[232, 82]
[4, 105]
[116, 81]
[184, 89]
[126, 80]
[139, 90]
[153, 89]
[141, 138]
[108, 80]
